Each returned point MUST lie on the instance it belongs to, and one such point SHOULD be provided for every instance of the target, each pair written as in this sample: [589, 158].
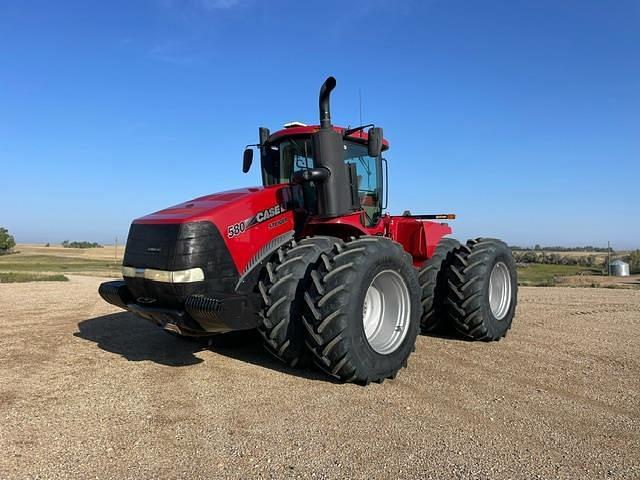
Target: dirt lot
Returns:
[89, 392]
[632, 281]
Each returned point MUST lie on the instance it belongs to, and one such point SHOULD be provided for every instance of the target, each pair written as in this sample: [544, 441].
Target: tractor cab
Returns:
[339, 170]
[288, 153]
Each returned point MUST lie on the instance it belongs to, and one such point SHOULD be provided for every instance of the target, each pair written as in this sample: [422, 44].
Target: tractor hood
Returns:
[205, 208]
[244, 220]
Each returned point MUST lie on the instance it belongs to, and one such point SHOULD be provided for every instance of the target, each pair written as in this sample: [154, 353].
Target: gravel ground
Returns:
[87, 391]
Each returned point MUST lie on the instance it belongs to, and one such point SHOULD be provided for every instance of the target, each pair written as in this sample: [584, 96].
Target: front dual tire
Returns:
[352, 307]
[363, 310]
[283, 284]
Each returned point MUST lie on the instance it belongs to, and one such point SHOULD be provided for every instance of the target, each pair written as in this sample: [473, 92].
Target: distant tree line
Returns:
[68, 244]
[531, 256]
[7, 242]
[538, 248]
[541, 256]
[633, 259]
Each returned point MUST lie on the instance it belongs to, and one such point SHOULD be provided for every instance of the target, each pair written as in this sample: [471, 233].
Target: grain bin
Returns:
[619, 268]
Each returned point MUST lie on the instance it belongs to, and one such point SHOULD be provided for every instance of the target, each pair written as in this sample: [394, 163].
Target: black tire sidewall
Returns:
[434, 298]
[382, 365]
[497, 328]
[291, 311]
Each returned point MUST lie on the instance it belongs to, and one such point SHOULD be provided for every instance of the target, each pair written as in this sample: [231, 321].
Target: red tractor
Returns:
[311, 260]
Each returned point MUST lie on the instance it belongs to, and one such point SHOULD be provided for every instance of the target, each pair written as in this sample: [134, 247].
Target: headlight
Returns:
[187, 276]
[128, 271]
[165, 276]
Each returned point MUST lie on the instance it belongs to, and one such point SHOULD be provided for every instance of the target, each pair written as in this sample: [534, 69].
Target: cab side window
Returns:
[295, 155]
[369, 181]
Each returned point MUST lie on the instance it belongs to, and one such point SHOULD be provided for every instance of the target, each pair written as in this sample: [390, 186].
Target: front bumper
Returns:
[198, 315]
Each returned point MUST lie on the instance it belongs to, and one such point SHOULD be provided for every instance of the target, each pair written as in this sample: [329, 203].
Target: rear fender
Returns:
[418, 237]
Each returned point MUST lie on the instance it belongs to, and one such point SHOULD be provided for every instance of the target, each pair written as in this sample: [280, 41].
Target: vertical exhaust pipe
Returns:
[336, 181]
[325, 111]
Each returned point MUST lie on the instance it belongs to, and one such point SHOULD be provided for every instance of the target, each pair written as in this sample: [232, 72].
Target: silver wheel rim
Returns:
[386, 312]
[500, 290]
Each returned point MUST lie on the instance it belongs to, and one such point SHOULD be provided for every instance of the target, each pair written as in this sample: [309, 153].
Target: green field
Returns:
[51, 263]
[22, 277]
[537, 275]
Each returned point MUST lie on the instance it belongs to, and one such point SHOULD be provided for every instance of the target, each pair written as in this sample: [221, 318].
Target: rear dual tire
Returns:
[482, 289]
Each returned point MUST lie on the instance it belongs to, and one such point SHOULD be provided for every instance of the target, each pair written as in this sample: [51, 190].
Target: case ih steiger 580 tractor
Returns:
[311, 260]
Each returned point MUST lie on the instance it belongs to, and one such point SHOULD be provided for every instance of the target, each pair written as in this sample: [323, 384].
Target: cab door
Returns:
[369, 173]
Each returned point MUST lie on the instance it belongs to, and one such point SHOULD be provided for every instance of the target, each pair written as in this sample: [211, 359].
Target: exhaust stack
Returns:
[325, 111]
[336, 182]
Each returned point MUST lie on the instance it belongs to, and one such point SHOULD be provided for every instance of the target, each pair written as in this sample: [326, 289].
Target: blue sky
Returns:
[523, 117]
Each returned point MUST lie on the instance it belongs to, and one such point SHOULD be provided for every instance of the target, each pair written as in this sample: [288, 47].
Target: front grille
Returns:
[179, 247]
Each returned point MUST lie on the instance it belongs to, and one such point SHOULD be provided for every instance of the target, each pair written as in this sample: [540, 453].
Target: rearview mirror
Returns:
[247, 159]
[374, 141]
[310, 175]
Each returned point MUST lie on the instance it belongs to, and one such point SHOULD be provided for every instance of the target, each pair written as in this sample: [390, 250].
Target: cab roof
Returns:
[359, 136]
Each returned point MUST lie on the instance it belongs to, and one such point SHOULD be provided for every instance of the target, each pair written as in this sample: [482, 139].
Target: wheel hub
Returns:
[386, 312]
[500, 290]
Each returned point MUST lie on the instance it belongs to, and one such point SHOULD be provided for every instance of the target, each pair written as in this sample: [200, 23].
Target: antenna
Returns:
[360, 106]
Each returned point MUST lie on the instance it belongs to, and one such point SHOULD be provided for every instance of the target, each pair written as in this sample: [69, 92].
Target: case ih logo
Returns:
[266, 214]
[269, 213]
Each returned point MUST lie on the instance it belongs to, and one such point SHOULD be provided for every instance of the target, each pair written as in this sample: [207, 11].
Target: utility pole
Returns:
[115, 255]
[609, 259]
